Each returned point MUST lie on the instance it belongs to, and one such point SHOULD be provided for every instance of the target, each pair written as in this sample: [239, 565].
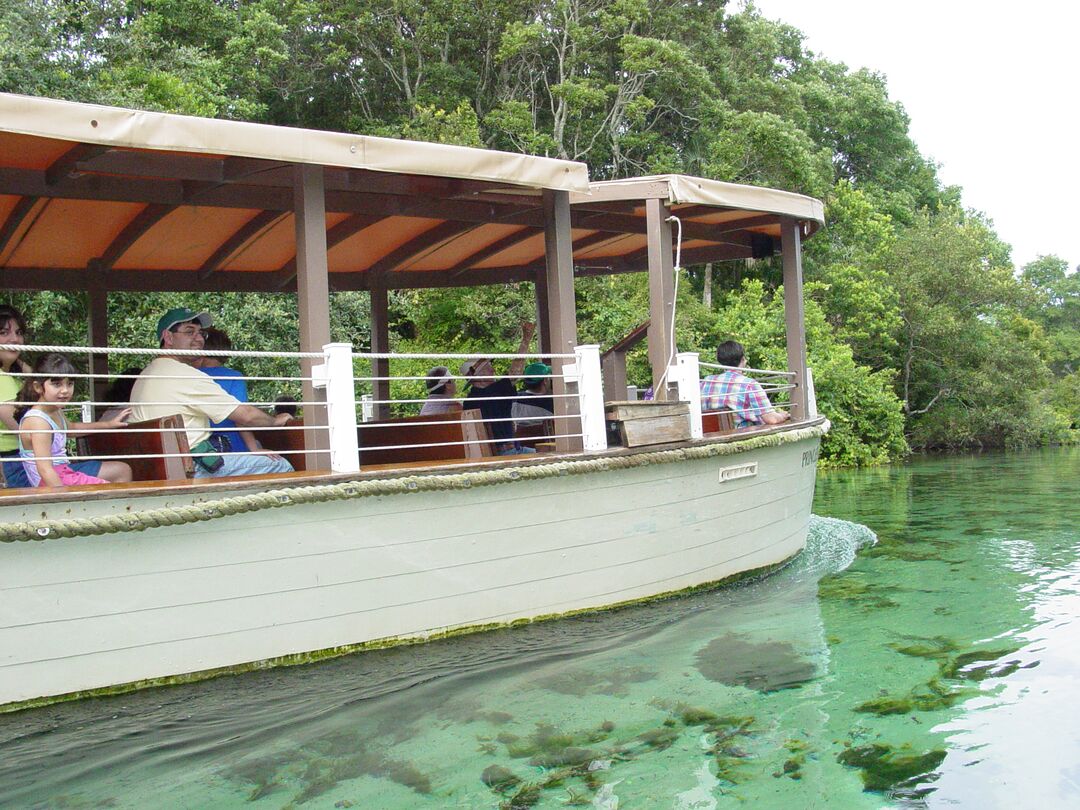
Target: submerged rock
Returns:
[767, 667]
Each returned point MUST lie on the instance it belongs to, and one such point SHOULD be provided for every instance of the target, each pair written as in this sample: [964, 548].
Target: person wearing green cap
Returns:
[535, 406]
[171, 384]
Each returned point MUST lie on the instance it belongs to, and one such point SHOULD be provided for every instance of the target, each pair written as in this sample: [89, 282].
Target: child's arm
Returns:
[250, 441]
[40, 444]
[79, 428]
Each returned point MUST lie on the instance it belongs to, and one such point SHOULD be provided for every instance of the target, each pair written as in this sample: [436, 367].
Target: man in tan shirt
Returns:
[170, 385]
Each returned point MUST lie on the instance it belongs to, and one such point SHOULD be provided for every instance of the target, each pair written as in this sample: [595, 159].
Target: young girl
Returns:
[12, 330]
[44, 431]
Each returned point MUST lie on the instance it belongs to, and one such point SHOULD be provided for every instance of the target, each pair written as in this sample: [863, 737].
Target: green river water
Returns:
[924, 651]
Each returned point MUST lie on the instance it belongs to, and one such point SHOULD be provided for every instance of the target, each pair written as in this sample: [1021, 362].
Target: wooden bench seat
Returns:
[537, 437]
[718, 421]
[288, 443]
[165, 435]
[460, 435]
[454, 435]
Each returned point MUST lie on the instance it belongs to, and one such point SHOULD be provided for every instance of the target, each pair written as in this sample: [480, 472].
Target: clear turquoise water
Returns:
[937, 666]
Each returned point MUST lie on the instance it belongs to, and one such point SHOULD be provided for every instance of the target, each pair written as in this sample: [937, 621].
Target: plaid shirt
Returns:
[735, 392]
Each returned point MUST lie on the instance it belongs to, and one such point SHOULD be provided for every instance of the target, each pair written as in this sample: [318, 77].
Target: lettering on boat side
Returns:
[810, 457]
[738, 471]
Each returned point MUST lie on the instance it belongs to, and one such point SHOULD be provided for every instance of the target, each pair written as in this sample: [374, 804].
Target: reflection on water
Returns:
[928, 668]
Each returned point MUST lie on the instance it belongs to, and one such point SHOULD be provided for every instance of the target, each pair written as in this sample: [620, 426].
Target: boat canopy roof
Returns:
[94, 196]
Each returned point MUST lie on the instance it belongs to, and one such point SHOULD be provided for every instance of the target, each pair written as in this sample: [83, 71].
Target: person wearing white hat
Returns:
[441, 390]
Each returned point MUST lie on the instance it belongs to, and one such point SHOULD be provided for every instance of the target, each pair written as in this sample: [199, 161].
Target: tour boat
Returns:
[110, 588]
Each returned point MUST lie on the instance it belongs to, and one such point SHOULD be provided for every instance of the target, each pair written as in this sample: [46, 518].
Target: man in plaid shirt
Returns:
[736, 392]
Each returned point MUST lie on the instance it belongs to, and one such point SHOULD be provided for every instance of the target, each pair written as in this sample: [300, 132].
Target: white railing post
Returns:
[811, 395]
[336, 376]
[590, 380]
[687, 375]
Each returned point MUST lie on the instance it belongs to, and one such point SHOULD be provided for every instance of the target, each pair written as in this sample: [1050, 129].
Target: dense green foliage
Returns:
[920, 331]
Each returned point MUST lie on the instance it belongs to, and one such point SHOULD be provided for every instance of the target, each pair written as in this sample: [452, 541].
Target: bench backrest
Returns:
[454, 435]
[165, 436]
[718, 421]
[289, 443]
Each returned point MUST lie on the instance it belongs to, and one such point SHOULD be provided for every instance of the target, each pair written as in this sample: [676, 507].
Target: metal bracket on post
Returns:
[687, 374]
[590, 382]
[336, 376]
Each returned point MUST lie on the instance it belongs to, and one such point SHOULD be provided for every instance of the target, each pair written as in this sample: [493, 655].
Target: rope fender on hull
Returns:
[349, 490]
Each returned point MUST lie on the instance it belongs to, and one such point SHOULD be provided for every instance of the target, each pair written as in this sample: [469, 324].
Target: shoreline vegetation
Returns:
[921, 332]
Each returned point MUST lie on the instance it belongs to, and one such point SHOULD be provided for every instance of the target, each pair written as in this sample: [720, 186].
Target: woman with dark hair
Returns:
[12, 331]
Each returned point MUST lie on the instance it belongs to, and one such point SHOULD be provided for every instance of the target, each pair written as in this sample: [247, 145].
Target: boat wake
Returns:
[831, 546]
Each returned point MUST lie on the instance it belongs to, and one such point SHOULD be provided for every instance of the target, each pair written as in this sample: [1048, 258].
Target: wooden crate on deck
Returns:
[644, 423]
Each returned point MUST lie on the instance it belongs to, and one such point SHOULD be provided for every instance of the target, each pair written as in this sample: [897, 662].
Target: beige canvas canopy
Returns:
[94, 196]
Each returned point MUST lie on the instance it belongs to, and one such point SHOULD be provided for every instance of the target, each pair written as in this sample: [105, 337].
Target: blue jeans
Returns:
[245, 464]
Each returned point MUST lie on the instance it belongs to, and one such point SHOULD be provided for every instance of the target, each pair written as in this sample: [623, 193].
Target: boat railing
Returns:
[688, 372]
[86, 406]
[348, 384]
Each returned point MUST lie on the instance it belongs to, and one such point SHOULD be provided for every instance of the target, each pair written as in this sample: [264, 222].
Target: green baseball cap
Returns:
[536, 372]
[182, 315]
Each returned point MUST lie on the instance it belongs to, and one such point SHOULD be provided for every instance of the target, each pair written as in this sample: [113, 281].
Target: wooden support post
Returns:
[313, 301]
[613, 364]
[561, 311]
[791, 246]
[380, 342]
[543, 322]
[98, 335]
[661, 297]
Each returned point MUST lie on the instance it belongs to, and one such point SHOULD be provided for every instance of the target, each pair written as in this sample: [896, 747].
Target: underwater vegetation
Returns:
[575, 762]
[908, 549]
[581, 682]
[320, 766]
[952, 665]
[765, 666]
[851, 587]
[885, 768]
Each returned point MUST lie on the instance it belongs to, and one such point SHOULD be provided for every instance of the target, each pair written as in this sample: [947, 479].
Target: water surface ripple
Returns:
[922, 652]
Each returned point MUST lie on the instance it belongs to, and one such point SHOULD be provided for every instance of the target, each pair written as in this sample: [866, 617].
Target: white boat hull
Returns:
[91, 612]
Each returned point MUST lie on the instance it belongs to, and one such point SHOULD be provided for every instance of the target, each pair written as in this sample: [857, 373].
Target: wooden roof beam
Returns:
[416, 246]
[286, 274]
[133, 231]
[15, 219]
[240, 238]
[155, 165]
[65, 167]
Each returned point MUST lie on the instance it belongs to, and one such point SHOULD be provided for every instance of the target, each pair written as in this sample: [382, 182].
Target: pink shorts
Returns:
[72, 478]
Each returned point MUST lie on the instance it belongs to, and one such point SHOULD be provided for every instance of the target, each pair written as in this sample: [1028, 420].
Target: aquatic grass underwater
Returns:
[934, 664]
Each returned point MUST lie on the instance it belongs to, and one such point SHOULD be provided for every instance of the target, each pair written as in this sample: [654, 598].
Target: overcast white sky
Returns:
[991, 88]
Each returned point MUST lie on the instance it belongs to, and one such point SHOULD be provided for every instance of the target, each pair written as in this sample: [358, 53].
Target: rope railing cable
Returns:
[28, 347]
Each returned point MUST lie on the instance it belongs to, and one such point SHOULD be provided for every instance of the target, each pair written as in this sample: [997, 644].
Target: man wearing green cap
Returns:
[171, 385]
[535, 406]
